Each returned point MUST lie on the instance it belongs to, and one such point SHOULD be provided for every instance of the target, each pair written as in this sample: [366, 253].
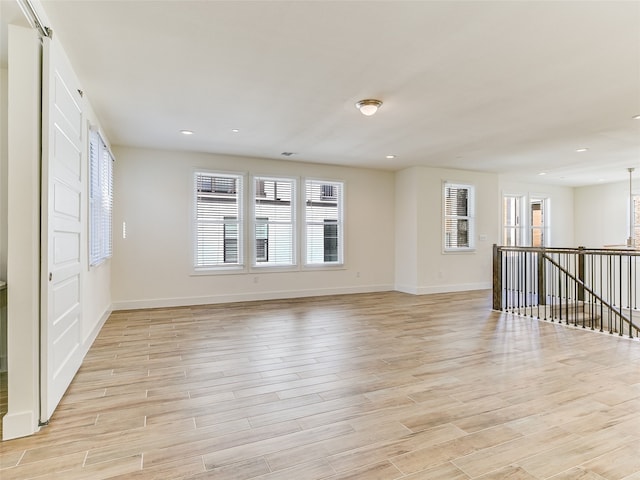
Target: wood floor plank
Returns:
[370, 386]
[446, 471]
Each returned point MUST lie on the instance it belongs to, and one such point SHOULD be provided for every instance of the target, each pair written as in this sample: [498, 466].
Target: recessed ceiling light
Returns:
[235, 130]
[542, 173]
[390, 156]
[636, 117]
[580, 150]
[186, 132]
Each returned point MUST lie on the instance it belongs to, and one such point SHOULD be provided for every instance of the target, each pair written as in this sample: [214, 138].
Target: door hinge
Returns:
[50, 276]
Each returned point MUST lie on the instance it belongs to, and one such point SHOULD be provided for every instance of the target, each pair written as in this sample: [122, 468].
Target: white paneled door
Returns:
[62, 233]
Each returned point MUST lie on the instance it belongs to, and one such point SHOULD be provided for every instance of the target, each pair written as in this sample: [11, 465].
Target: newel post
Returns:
[542, 292]
[497, 278]
[581, 273]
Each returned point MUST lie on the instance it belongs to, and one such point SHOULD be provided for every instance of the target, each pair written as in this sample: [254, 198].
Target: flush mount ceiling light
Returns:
[368, 106]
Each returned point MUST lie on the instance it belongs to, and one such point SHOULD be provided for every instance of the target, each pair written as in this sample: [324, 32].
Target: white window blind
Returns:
[459, 217]
[218, 220]
[100, 199]
[324, 227]
[274, 221]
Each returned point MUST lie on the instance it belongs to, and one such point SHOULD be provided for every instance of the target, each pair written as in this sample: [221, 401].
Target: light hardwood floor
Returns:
[372, 386]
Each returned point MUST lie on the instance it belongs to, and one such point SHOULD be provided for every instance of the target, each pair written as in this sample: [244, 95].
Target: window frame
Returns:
[519, 228]
[100, 208]
[221, 267]
[545, 228]
[338, 190]
[469, 217]
[255, 218]
[248, 193]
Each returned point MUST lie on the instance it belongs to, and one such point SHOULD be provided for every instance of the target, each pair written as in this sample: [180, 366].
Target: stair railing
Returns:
[592, 288]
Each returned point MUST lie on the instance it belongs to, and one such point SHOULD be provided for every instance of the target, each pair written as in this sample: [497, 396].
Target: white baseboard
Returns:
[20, 424]
[460, 287]
[411, 289]
[89, 339]
[245, 297]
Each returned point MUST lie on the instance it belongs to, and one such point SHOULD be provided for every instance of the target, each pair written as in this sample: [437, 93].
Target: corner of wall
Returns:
[19, 424]
[3, 171]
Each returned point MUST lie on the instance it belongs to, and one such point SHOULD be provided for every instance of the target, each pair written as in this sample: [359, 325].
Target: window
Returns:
[539, 226]
[525, 221]
[218, 220]
[100, 199]
[262, 239]
[327, 192]
[330, 241]
[512, 220]
[274, 221]
[230, 240]
[324, 228]
[270, 215]
[459, 218]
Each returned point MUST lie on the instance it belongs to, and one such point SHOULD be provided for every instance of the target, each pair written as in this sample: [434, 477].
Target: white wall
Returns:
[561, 208]
[3, 172]
[3, 208]
[601, 215]
[23, 242]
[96, 288]
[23, 238]
[406, 231]
[152, 266]
[438, 271]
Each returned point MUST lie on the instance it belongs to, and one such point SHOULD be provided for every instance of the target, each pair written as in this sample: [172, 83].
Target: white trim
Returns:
[247, 297]
[471, 216]
[545, 200]
[520, 227]
[243, 248]
[88, 341]
[410, 289]
[20, 424]
[460, 287]
[252, 263]
[23, 232]
[342, 223]
[463, 287]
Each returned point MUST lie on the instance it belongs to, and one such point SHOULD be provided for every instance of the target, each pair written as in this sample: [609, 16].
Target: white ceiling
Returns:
[509, 87]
